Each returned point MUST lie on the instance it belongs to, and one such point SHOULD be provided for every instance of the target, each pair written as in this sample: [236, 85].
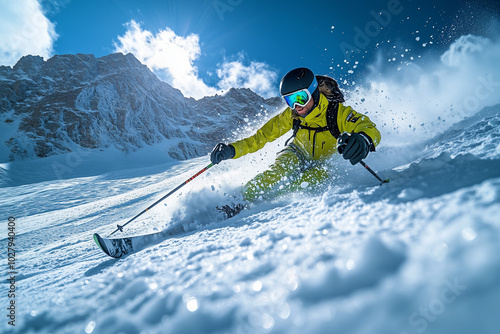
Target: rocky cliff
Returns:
[71, 101]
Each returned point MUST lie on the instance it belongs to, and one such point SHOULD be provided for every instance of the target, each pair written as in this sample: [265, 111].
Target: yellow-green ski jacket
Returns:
[313, 144]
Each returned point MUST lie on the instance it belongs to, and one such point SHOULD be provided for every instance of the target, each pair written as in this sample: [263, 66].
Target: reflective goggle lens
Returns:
[301, 98]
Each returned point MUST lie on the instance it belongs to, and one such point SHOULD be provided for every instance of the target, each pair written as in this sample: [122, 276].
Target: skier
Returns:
[321, 126]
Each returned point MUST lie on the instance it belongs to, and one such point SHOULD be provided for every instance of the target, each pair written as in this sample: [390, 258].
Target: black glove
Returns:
[353, 146]
[221, 152]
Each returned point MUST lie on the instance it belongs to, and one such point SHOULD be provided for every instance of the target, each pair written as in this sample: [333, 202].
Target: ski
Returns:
[118, 247]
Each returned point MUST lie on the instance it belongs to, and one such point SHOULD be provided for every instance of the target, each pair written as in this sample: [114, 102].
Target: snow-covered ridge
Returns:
[78, 101]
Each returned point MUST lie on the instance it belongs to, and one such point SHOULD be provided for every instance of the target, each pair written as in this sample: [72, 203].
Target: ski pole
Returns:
[342, 143]
[373, 173]
[120, 227]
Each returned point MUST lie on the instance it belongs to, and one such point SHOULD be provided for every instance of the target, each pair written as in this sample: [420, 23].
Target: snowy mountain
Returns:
[70, 102]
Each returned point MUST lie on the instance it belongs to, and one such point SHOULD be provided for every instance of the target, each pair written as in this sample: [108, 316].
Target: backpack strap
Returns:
[330, 89]
[331, 119]
[296, 126]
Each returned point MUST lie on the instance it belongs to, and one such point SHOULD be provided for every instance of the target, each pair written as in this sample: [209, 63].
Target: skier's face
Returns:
[305, 110]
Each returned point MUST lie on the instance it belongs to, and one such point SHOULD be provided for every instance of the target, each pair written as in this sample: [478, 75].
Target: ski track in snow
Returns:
[420, 254]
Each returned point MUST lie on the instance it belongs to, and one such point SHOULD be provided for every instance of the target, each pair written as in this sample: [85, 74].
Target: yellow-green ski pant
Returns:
[290, 172]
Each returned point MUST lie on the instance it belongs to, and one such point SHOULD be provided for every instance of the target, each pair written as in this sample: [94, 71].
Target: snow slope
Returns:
[421, 254]
[418, 255]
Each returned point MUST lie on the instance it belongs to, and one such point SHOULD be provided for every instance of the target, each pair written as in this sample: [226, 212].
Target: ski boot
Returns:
[231, 210]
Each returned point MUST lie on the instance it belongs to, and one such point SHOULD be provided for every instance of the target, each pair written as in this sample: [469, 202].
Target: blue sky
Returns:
[203, 47]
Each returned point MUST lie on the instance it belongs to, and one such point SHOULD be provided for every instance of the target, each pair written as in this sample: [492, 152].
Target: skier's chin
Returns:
[301, 111]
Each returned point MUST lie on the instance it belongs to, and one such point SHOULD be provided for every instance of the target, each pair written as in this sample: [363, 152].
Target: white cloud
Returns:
[172, 58]
[24, 30]
[256, 76]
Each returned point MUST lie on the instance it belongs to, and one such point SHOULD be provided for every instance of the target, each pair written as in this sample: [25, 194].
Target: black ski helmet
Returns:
[298, 79]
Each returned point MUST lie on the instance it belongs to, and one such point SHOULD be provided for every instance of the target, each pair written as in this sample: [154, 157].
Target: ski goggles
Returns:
[301, 97]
